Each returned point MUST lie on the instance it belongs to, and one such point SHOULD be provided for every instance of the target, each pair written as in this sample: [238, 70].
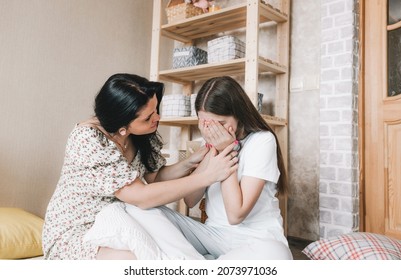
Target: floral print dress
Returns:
[93, 170]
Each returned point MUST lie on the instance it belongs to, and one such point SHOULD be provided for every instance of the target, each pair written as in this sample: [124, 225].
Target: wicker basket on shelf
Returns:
[179, 9]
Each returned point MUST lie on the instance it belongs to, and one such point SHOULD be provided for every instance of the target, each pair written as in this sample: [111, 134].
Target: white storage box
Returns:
[225, 48]
[176, 105]
[188, 56]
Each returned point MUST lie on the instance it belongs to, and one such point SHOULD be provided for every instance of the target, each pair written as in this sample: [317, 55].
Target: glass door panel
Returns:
[394, 47]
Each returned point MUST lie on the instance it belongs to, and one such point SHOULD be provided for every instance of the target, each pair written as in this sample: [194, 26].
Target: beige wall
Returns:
[55, 55]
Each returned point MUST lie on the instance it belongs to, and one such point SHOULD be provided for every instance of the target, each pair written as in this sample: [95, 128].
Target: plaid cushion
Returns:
[355, 246]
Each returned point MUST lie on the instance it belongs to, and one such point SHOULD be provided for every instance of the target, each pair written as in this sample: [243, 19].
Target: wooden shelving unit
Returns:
[247, 16]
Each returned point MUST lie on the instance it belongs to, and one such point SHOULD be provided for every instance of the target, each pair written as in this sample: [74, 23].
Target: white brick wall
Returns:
[339, 204]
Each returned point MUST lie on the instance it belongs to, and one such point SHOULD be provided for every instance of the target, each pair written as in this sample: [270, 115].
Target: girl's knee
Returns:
[273, 250]
[260, 250]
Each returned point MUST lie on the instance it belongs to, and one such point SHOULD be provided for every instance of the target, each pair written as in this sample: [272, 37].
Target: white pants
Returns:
[228, 243]
[146, 233]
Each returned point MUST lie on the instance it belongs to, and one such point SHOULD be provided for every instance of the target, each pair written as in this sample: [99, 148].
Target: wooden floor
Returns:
[296, 247]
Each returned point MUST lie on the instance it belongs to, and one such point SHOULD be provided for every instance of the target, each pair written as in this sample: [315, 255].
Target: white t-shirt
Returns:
[257, 158]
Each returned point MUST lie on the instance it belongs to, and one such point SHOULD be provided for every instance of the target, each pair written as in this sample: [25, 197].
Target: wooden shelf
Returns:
[178, 121]
[226, 19]
[184, 121]
[206, 71]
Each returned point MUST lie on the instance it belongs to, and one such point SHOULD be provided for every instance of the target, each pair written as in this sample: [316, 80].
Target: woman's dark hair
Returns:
[224, 96]
[118, 103]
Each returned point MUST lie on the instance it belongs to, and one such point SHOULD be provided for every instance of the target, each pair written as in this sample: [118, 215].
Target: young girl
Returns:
[115, 157]
[244, 220]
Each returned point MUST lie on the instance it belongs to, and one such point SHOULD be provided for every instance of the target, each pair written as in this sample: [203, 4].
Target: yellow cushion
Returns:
[20, 234]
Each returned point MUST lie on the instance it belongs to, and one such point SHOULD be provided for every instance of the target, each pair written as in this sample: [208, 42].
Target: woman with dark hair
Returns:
[115, 157]
[243, 214]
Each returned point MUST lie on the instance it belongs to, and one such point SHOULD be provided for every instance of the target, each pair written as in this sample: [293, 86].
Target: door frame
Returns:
[361, 115]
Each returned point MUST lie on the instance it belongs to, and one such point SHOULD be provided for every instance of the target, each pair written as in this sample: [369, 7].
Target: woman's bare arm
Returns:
[179, 169]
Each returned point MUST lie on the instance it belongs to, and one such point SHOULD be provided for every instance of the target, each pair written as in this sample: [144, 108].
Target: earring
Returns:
[122, 132]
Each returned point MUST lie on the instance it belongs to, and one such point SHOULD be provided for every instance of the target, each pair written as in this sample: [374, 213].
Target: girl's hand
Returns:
[216, 134]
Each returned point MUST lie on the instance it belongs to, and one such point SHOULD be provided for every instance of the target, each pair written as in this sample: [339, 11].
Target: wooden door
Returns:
[381, 114]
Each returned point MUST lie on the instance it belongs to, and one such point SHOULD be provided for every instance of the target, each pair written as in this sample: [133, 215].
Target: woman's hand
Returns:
[216, 134]
[202, 166]
[197, 156]
[217, 167]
